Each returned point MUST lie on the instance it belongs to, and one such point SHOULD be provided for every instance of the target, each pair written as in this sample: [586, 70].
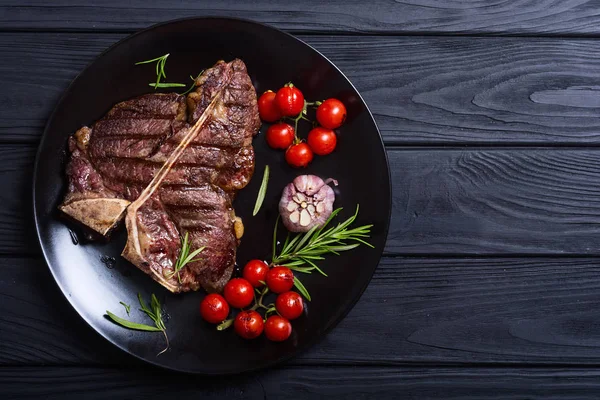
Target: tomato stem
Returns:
[225, 324]
[315, 103]
[258, 303]
[300, 116]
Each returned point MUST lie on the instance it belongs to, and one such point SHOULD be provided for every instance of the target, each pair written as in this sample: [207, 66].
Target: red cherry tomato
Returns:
[299, 155]
[331, 114]
[280, 135]
[280, 279]
[214, 308]
[267, 107]
[239, 293]
[322, 141]
[277, 328]
[255, 271]
[248, 324]
[289, 305]
[290, 101]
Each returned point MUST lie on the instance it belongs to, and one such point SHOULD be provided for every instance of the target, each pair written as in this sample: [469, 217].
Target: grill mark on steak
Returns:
[167, 106]
[180, 160]
[195, 154]
[229, 177]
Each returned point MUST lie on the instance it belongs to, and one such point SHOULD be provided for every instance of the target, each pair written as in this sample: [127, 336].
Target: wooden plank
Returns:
[548, 17]
[496, 201]
[422, 90]
[472, 201]
[303, 382]
[17, 229]
[506, 311]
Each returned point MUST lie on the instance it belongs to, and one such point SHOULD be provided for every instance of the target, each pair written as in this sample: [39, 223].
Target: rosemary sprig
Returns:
[160, 72]
[303, 250]
[185, 257]
[160, 67]
[262, 191]
[155, 314]
[193, 83]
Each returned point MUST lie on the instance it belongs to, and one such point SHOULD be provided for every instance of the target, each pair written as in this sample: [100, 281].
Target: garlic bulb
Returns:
[306, 202]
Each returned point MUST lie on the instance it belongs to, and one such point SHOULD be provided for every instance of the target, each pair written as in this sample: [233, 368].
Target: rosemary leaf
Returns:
[314, 266]
[319, 270]
[289, 246]
[192, 87]
[306, 270]
[287, 240]
[275, 237]
[166, 85]
[305, 237]
[262, 191]
[162, 67]
[153, 60]
[193, 83]
[331, 217]
[155, 305]
[344, 248]
[293, 263]
[314, 257]
[301, 288]
[131, 325]
[127, 307]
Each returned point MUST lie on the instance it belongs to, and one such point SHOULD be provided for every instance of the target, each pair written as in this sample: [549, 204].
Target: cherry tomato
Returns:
[214, 308]
[299, 155]
[267, 107]
[239, 293]
[255, 271]
[322, 141]
[280, 279]
[331, 114]
[277, 328]
[248, 324]
[280, 135]
[290, 101]
[289, 305]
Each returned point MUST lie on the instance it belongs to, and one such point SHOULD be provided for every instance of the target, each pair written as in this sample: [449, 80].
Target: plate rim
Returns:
[310, 342]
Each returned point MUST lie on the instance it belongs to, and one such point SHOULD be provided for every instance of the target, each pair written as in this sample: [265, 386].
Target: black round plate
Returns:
[93, 285]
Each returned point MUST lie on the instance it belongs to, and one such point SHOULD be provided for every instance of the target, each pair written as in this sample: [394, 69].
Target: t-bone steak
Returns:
[170, 165]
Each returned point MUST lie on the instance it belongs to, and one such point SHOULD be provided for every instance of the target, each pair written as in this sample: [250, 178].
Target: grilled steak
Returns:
[171, 165]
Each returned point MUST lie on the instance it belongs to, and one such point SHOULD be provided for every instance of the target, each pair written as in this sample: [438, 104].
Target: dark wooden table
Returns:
[490, 283]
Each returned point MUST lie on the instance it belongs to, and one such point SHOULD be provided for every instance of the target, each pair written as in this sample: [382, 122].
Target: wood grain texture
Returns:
[495, 312]
[473, 201]
[545, 17]
[432, 324]
[526, 201]
[303, 383]
[422, 90]
[17, 230]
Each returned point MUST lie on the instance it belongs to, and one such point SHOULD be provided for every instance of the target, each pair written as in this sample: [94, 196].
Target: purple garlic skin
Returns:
[306, 202]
